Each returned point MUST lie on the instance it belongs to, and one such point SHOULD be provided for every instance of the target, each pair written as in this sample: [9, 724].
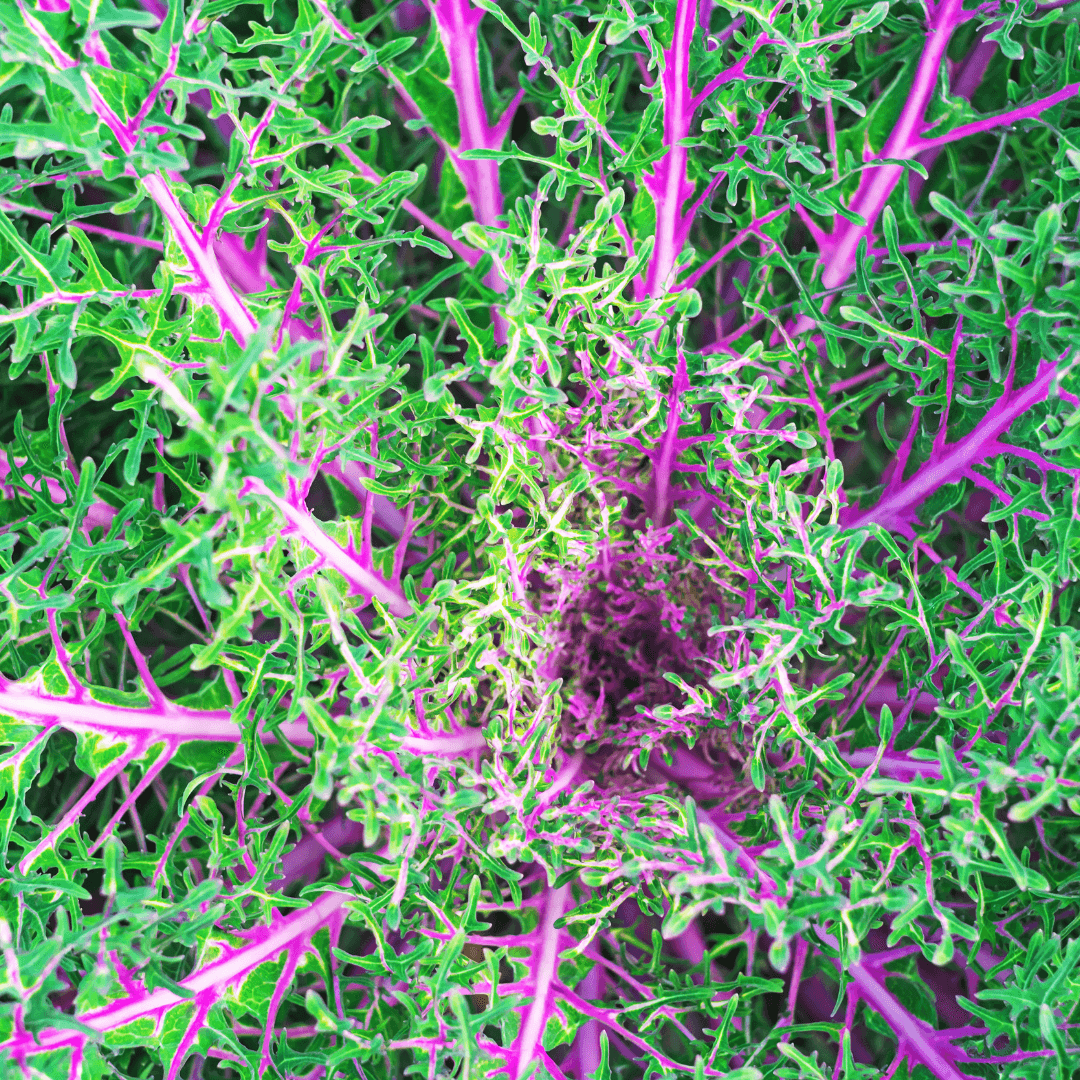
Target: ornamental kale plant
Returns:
[540, 541]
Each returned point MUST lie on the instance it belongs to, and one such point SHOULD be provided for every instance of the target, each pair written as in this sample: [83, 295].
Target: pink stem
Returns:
[877, 182]
[333, 554]
[546, 963]
[917, 1040]
[988, 123]
[897, 505]
[169, 721]
[289, 935]
[458, 23]
[667, 183]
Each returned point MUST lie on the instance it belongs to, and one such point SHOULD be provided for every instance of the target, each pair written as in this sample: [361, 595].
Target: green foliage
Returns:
[626, 634]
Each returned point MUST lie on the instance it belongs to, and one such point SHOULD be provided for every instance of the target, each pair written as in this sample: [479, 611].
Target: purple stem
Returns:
[458, 23]
[918, 1041]
[235, 318]
[361, 578]
[876, 185]
[667, 183]
[97, 230]
[98, 513]
[964, 83]
[350, 475]
[169, 721]
[292, 935]
[753, 229]
[896, 508]
[546, 962]
[587, 1041]
[988, 123]
[896, 765]
[101, 781]
[658, 501]
[409, 15]
[839, 248]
